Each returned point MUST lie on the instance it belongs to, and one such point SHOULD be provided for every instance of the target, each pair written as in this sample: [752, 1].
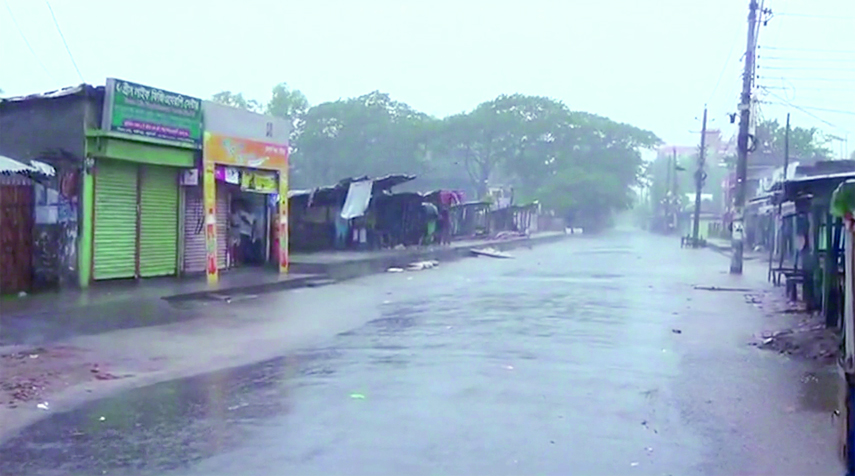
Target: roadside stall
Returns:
[843, 206]
[17, 212]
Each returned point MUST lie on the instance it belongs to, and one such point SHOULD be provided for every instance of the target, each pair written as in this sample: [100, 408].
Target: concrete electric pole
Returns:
[700, 176]
[742, 142]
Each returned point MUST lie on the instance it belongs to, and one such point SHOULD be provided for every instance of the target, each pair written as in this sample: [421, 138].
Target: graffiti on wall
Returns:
[55, 230]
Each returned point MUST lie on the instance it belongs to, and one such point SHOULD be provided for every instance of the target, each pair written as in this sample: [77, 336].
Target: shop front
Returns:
[245, 211]
[131, 192]
[244, 188]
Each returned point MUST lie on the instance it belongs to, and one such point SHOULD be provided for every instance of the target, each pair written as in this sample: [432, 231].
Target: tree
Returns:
[368, 135]
[497, 134]
[287, 103]
[237, 100]
[805, 143]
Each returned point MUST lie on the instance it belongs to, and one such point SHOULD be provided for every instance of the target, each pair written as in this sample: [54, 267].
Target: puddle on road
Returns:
[819, 390]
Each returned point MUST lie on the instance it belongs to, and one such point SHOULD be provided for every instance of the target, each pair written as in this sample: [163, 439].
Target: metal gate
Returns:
[158, 221]
[16, 238]
[194, 236]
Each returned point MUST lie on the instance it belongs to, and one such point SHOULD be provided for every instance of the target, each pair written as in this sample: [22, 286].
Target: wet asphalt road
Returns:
[565, 360]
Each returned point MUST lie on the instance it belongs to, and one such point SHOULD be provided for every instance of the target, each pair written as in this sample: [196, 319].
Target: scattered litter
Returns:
[387, 302]
[448, 327]
[420, 265]
[676, 331]
[395, 270]
[633, 464]
[509, 367]
[716, 288]
[43, 406]
[648, 449]
[102, 419]
[490, 252]
[22, 294]
[357, 396]
[34, 356]
[235, 407]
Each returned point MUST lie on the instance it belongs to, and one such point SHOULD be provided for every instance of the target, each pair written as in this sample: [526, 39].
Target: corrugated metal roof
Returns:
[68, 91]
[9, 166]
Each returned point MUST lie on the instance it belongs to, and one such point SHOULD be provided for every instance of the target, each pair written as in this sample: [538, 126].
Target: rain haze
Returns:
[463, 237]
[652, 64]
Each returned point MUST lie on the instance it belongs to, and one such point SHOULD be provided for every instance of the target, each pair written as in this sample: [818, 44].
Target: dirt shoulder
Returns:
[797, 333]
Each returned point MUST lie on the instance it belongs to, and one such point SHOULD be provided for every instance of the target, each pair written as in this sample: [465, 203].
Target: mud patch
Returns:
[809, 339]
[31, 376]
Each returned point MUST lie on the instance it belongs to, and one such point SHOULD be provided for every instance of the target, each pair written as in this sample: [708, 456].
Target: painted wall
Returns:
[50, 128]
[235, 122]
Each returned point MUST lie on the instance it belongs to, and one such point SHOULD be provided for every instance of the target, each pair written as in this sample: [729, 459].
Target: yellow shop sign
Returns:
[258, 181]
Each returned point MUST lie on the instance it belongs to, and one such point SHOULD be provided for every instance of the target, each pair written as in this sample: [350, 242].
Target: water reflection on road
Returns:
[562, 361]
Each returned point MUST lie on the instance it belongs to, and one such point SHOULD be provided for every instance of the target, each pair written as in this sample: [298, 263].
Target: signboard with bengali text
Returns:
[132, 108]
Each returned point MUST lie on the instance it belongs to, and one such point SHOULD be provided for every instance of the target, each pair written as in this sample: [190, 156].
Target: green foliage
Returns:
[805, 143]
[237, 100]
[582, 166]
[368, 135]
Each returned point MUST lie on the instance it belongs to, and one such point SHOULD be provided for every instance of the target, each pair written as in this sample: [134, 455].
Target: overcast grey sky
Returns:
[651, 63]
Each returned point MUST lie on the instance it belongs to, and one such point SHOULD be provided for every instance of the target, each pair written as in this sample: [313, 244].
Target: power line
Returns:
[805, 111]
[723, 69]
[787, 88]
[67, 49]
[830, 60]
[26, 41]
[806, 50]
[811, 15]
[806, 68]
[821, 109]
[828, 80]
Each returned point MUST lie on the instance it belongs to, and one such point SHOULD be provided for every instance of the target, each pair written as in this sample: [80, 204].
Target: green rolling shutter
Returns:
[115, 220]
[158, 221]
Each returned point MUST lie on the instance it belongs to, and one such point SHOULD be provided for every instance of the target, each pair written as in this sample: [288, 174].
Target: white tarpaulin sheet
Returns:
[11, 166]
[357, 199]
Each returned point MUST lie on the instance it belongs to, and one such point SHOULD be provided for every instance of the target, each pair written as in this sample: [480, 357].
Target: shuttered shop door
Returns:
[158, 221]
[194, 231]
[115, 220]
[222, 225]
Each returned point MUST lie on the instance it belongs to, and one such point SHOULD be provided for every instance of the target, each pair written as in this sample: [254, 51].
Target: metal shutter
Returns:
[115, 220]
[158, 221]
[194, 231]
[223, 204]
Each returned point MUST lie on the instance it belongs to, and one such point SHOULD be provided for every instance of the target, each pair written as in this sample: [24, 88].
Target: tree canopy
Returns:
[581, 165]
[805, 142]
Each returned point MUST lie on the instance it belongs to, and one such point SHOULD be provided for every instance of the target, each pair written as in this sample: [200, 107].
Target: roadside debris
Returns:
[809, 340]
[716, 288]
[395, 270]
[43, 406]
[676, 331]
[420, 265]
[357, 396]
[490, 252]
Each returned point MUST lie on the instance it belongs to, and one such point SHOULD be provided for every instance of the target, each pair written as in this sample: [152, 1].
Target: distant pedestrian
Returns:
[444, 226]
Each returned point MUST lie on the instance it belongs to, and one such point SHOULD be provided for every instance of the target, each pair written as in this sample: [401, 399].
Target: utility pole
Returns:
[778, 243]
[700, 176]
[673, 193]
[742, 142]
